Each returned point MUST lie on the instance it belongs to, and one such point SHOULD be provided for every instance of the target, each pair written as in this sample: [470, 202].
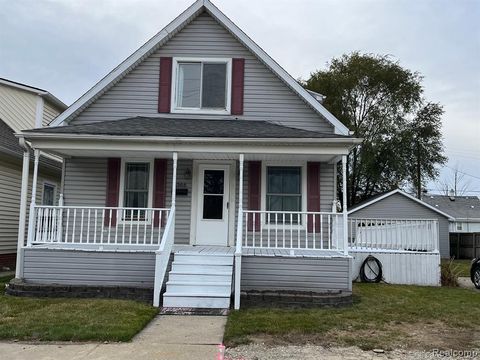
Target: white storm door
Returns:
[212, 211]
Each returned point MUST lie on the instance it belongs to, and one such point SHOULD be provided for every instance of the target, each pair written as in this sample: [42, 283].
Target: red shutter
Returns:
[254, 181]
[159, 188]
[113, 189]
[313, 195]
[165, 85]
[238, 70]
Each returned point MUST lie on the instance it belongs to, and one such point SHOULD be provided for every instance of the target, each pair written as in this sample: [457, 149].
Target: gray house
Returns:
[197, 168]
[22, 106]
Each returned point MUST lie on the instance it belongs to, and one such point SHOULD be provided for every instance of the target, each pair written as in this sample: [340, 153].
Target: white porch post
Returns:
[60, 203]
[238, 245]
[344, 205]
[23, 213]
[174, 179]
[31, 215]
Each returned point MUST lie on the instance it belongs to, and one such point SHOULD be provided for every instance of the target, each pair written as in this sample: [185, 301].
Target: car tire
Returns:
[475, 274]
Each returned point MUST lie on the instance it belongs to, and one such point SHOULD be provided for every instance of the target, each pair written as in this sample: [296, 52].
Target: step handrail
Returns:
[162, 256]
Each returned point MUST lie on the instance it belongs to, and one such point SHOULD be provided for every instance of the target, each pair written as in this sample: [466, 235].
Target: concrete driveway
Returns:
[166, 337]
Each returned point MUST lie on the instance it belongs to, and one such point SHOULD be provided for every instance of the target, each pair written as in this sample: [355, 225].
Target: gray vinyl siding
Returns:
[398, 206]
[85, 181]
[183, 202]
[49, 266]
[10, 189]
[266, 97]
[295, 273]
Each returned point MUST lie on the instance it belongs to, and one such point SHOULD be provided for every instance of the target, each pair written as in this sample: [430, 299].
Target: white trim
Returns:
[122, 187]
[263, 188]
[398, 191]
[232, 197]
[165, 34]
[173, 100]
[172, 139]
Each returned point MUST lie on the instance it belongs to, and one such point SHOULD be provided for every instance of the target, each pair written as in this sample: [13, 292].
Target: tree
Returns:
[455, 184]
[424, 133]
[378, 100]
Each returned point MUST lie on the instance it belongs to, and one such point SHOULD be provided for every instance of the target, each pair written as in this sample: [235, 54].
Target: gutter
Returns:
[177, 139]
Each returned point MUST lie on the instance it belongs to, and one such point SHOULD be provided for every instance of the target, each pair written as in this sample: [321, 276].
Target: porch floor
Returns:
[200, 249]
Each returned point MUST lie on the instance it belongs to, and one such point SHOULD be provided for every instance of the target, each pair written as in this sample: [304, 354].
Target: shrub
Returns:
[449, 273]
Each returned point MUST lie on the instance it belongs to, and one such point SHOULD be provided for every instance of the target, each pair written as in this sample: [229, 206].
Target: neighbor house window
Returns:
[48, 197]
[136, 189]
[284, 192]
[202, 85]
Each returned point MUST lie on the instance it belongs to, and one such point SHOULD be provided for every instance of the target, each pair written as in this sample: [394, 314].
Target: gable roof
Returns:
[380, 197]
[175, 127]
[166, 34]
[460, 207]
[37, 91]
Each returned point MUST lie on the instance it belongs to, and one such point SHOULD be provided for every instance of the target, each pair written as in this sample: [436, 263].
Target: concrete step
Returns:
[215, 288]
[203, 259]
[199, 300]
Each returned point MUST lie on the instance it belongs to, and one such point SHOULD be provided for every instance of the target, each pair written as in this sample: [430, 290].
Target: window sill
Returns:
[200, 111]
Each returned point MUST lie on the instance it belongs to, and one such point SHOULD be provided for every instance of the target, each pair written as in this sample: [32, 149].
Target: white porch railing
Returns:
[393, 234]
[293, 230]
[162, 256]
[97, 225]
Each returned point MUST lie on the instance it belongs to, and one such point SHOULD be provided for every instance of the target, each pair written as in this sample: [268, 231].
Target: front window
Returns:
[136, 189]
[284, 192]
[48, 197]
[202, 86]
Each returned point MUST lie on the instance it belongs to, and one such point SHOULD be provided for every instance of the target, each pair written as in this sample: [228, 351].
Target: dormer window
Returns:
[201, 85]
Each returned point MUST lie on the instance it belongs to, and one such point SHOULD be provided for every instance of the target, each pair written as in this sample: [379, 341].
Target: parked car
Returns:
[475, 272]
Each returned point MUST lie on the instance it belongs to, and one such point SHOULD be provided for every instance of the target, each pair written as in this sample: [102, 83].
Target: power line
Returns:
[464, 173]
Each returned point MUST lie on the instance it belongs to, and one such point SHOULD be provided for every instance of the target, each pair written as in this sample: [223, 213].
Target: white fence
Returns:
[393, 234]
[292, 230]
[97, 225]
[408, 268]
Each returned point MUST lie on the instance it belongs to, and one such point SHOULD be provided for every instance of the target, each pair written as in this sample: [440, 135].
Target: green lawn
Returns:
[71, 319]
[385, 316]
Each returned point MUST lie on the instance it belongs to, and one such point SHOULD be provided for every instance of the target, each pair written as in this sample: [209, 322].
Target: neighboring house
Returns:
[465, 225]
[22, 107]
[398, 205]
[198, 145]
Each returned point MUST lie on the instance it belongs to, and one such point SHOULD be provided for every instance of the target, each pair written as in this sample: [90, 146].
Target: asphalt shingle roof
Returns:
[155, 126]
[460, 207]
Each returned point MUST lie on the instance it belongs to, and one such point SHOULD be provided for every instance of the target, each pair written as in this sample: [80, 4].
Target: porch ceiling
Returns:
[196, 155]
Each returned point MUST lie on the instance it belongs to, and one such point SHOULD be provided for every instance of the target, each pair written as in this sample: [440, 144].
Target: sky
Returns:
[66, 46]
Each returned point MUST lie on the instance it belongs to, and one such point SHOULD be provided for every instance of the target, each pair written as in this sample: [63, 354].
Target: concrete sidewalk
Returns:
[166, 337]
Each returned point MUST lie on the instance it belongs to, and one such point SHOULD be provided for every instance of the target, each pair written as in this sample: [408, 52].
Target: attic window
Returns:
[201, 86]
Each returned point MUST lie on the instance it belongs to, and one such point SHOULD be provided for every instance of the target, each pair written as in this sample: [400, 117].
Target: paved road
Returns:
[166, 337]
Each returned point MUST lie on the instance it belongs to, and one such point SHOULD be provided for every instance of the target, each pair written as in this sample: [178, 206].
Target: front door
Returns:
[212, 211]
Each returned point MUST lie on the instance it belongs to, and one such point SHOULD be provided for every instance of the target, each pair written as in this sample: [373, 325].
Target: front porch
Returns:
[202, 201]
